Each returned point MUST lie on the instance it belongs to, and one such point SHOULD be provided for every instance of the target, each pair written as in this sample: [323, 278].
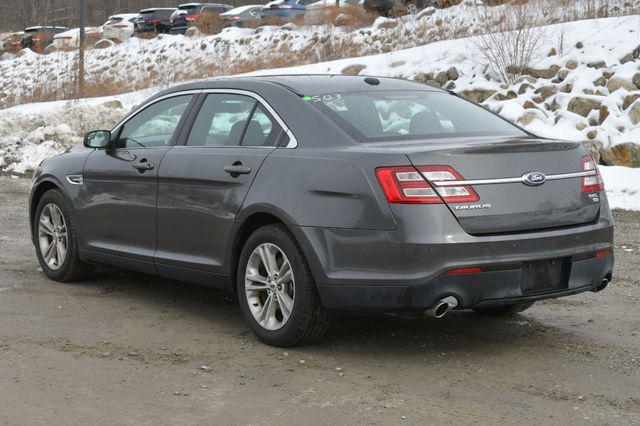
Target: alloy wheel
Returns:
[52, 236]
[269, 286]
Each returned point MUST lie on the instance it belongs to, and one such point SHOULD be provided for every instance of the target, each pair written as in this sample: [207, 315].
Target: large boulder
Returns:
[629, 100]
[543, 73]
[620, 83]
[624, 154]
[634, 112]
[583, 106]
[452, 73]
[352, 69]
[442, 77]
[594, 148]
[546, 91]
[636, 80]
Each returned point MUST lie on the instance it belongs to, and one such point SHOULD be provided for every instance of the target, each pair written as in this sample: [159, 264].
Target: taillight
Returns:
[591, 183]
[153, 21]
[463, 271]
[191, 17]
[411, 185]
[444, 180]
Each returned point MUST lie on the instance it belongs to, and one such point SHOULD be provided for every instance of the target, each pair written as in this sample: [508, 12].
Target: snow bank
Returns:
[623, 187]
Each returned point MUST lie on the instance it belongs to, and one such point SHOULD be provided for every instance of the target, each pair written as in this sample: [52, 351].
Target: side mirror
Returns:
[97, 139]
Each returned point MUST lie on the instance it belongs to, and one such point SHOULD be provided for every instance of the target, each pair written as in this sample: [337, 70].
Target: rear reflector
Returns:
[603, 253]
[462, 271]
[591, 183]
[410, 185]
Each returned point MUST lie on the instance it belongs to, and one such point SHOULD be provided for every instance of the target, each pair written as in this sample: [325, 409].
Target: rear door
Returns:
[117, 206]
[203, 183]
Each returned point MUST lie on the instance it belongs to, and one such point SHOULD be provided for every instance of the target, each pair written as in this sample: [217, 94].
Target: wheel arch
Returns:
[255, 219]
[37, 192]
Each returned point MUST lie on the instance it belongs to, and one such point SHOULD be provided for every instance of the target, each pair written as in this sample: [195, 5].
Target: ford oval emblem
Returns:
[534, 178]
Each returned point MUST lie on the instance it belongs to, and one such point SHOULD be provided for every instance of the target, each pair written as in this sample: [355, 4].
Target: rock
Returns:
[450, 85]
[588, 91]
[537, 99]
[427, 11]
[526, 78]
[581, 126]
[524, 87]
[567, 88]
[546, 91]
[528, 117]
[478, 95]
[529, 105]
[579, 45]
[452, 73]
[603, 114]
[562, 74]
[620, 83]
[353, 69]
[543, 73]
[552, 52]
[627, 58]
[607, 74]
[572, 64]
[629, 100]
[433, 83]
[636, 80]
[597, 65]
[600, 81]
[594, 148]
[112, 104]
[592, 134]
[624, 154]
[442, 77]
[553, 106]
[583, 106]
[634, 112]
[422, 77]
[103, 44]
[288, 26]
[636, 52]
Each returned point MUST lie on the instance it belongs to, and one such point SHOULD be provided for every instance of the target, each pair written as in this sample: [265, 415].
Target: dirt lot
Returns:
[131, 349]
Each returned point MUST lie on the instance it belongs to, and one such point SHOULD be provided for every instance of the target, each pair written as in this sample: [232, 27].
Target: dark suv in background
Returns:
[186, 15]
[155, 20]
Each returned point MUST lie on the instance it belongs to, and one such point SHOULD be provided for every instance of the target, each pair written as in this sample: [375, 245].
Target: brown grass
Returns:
[209, 23]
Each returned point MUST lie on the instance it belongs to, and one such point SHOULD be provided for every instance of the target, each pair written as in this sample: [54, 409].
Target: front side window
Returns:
[155, 125]
[408, 115]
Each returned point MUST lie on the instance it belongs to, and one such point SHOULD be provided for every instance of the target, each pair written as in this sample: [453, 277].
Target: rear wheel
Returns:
[277, 293]
[505, 309]
[55, 235]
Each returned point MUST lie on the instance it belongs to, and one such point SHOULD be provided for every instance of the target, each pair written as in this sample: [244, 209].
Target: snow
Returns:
[623, 187]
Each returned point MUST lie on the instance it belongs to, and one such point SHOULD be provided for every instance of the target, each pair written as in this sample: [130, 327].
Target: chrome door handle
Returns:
[143, 165]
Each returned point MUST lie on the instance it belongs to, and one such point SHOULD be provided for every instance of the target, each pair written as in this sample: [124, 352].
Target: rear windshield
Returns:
[189, 8]
[408, 115]
[156, 13]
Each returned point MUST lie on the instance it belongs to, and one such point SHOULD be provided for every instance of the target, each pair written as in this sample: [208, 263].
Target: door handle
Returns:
[237, 169]
[143, 165]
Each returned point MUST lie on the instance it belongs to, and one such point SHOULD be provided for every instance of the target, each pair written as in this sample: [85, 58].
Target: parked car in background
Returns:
[318, 12]
[71, 39]
[284, 10]
[154, 20]
[243, 15]
[119, 27]
[40, 37]
[394, 7]
[187, 14]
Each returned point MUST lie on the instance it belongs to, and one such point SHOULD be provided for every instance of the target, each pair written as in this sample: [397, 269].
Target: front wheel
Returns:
[277, 293]
[505, 309]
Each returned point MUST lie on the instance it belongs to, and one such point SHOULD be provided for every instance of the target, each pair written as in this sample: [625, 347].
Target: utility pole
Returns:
[81, 52]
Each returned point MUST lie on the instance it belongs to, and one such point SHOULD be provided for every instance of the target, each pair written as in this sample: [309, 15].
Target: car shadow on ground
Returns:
[378, 333]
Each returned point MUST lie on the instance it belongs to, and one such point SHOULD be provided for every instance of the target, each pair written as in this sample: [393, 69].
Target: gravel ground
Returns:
[125, 348]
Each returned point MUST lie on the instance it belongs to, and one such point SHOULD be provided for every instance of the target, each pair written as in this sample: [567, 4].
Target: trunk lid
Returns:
[506, 203]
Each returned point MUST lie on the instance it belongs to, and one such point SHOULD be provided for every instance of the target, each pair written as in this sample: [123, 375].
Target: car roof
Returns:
[155, 9]
[39, 27]
[240, 9]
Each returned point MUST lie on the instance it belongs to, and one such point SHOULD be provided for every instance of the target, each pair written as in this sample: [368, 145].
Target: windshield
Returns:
[407, 115]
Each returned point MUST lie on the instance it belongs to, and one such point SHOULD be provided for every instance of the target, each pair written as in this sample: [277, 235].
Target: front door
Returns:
[203, 183]
[118, 203]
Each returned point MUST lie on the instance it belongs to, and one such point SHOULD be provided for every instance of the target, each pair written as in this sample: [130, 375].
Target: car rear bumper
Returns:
[406, 268]
[482, 289]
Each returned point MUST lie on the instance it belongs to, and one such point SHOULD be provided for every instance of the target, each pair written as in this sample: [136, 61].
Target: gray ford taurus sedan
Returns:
[307, 195]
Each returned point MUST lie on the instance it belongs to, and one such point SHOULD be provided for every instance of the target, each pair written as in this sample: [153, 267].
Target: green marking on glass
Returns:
[306, 98]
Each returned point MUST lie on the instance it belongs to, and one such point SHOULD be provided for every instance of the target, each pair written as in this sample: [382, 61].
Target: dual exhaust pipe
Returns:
[442, 307]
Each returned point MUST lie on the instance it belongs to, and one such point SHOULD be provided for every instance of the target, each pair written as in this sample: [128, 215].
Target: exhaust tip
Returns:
[603, 284]
[442, 307]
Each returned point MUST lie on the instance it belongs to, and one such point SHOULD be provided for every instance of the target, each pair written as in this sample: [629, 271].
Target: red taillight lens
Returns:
[591, 183]
[424, 185]
[443, 179]
[191, 17]
[405, 185]
[154, 21]
[603, 253]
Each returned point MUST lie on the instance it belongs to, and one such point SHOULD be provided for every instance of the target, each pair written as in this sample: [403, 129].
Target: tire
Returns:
[71, 268]
[505, 310]
[308, 320]
[412, 8]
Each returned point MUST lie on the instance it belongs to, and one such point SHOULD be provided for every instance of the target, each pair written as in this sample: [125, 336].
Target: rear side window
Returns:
[408, 115]
[233, 120]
